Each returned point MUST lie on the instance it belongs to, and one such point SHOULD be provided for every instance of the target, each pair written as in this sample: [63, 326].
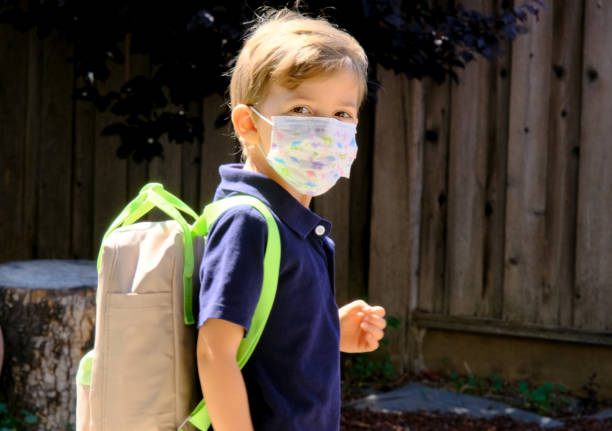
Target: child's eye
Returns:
[301, 110]
[343, 114]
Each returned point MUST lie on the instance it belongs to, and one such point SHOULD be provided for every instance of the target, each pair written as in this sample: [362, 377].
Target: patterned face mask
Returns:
[311, 153]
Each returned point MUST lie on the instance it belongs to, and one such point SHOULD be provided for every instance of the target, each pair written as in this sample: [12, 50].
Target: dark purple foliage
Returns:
[192, 44]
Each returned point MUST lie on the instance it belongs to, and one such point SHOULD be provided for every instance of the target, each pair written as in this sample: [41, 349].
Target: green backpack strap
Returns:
[271, 265]
[152, 196]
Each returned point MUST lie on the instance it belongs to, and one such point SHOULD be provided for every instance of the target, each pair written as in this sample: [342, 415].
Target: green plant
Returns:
[497, 382]
[371, 369]
[393, 322]
[544, 398]
[367, 368]
[468, 383]
[10, 421]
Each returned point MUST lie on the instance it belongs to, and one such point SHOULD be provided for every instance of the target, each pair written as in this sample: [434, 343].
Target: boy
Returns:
[295, 93]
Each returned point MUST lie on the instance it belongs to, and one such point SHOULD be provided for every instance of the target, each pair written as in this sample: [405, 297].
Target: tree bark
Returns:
[47, 312]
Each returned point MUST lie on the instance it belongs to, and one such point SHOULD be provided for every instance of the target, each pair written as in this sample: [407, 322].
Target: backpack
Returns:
[141, 374]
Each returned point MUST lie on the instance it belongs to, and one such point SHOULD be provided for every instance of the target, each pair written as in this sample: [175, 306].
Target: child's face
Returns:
[333, 95]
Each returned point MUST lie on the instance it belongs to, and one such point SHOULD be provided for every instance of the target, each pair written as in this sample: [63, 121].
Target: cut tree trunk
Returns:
[47, 312]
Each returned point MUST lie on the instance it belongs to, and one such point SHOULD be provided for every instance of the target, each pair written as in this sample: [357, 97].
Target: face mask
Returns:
[311, 153]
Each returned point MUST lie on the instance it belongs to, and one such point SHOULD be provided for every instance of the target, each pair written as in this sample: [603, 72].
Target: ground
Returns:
[548, 400]
[360, 420]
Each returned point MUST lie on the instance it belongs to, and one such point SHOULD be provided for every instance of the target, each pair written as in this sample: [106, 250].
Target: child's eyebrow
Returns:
[349, 105]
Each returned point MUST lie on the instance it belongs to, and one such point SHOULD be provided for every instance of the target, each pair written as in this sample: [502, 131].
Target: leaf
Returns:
[472, 382]
[523, 387]
[3, 408]
[519, 13]
[114, 129]
[466, 55]
[393, 322]
[29, 418]
[539, 396]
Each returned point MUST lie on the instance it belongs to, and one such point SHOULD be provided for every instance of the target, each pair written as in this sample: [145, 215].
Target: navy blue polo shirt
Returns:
[293, 376]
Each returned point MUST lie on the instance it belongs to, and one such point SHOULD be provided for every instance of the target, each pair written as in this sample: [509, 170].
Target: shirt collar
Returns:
[300, 219]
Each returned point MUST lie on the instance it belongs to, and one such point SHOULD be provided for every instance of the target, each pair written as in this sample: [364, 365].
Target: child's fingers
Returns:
[376, 310]
[376, 320]
[372, 330]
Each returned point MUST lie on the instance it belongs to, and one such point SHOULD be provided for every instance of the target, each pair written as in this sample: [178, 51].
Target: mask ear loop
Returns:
[260, 115]
[267, 121]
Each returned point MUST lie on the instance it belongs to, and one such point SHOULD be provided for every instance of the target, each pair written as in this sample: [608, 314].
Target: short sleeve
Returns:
[231, 271]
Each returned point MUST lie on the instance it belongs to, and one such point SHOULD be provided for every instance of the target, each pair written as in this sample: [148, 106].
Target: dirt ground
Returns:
[586, 403]
[360, 420]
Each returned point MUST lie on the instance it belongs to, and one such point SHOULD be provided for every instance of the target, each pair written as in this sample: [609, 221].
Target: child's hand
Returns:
[361, 327]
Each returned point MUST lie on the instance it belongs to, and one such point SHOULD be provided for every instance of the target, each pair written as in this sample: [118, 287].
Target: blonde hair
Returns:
[287, 47]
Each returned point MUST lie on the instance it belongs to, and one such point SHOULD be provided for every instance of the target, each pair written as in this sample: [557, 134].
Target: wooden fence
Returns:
[483, 205]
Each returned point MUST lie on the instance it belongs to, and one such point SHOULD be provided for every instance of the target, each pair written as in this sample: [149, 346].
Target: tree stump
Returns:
[47, 314]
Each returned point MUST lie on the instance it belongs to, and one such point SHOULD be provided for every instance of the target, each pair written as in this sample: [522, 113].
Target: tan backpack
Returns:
[141, 374]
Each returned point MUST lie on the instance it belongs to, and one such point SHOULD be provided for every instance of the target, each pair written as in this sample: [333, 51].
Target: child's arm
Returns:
[221, 379]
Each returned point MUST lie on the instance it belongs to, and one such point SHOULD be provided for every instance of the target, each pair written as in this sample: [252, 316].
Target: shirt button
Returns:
[320, 230]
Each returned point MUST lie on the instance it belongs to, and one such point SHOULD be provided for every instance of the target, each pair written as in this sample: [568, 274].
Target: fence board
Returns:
[396, 202]
[495, 194]
[526, 297]
[467, 173]
[31, 167]
[13, 99]
[190, 165]
[432, 292]
[167, 170]
[137, 173]
[110, 176]
[359, 223]
[562, 185]
[54, 218]
[217, 148]
[593, 298]
[83, 246]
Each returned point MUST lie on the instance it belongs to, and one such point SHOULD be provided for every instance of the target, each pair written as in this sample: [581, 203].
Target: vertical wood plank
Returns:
[167, 170]
[565, 91]
[467, 173]
[13, 104]
[361, 192]
[55, 212]
[191, 162]
[137, 173]
[31, 169]
[492, 293]
[593, 299]
[335, 206]
[432, 292]
[83, 246]
[110, 179]
[527, 297]
[217, 148]
[396, 194]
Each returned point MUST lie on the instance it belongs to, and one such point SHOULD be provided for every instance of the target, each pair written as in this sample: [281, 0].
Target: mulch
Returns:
[360, 420]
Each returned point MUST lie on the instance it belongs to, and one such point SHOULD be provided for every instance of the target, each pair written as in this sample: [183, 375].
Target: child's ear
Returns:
[244, 125]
